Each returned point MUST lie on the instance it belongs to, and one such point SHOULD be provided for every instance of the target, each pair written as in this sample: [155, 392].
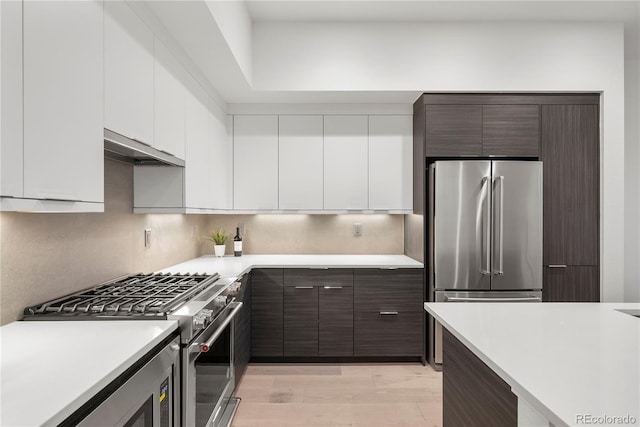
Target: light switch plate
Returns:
[147, 237]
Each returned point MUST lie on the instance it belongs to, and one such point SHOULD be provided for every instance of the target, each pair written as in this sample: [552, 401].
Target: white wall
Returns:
[632, 178]
[560, 56]
[235, 24]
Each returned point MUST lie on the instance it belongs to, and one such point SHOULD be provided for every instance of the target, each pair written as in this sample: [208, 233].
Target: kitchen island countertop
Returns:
[230, 266]
[50, 369]
[566, 360]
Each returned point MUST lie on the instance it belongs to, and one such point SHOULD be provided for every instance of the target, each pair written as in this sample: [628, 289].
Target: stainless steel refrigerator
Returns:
[484, 234]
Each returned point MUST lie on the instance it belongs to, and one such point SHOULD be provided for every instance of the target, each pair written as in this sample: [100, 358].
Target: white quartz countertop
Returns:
[230, 266]
[564, 359]
[50, 369]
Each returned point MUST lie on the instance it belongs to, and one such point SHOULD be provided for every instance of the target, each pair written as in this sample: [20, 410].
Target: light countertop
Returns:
[50, 369]
[563, 359]
[230, 266]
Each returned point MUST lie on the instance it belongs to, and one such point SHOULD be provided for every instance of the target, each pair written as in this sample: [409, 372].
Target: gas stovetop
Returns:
[150, 296]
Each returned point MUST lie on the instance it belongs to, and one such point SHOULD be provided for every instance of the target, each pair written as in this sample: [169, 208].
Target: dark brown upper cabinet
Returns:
[453, 130]
[511, 130]
[570, 184]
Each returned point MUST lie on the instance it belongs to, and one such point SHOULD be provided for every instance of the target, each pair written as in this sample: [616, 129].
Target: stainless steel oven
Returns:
[208, 377]
[147, 397]
[204, 307]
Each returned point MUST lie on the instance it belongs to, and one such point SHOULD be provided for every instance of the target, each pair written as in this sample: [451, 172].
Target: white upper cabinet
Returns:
[345, 162]
[63, 100]
[169, 102]
[221, 163]
[255, 162]
[390, 162]
[128, 73]
[200, 155]
[301, 162]
[11, 160]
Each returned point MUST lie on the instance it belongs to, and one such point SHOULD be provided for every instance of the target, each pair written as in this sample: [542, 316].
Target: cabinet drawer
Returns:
[376, 334]
[318, 277]
[388, 290]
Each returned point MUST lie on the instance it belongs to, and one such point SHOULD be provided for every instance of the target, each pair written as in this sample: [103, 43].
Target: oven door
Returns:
[208, 377]
[149, 398]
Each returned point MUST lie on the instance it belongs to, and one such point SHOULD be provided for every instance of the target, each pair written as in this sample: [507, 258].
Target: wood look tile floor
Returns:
[324, 395]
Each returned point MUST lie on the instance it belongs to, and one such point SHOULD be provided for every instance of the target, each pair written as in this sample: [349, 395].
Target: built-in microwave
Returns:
[146, 395]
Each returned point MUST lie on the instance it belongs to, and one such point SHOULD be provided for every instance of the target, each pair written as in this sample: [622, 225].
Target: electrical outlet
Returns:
[357, 229]
[242, 231]
[147, 237]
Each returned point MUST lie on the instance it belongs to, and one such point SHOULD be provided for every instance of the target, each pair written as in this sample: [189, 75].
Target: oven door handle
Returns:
[204, 347]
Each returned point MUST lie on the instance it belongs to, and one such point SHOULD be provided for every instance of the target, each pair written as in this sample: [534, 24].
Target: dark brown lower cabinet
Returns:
[267, 319]
[242, 325]
[571, 284]
[335, 321]
[388, 312]
[388, 333]
[300, 321]
[472, 394]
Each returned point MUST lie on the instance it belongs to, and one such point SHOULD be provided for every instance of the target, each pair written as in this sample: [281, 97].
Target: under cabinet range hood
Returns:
[121, 148]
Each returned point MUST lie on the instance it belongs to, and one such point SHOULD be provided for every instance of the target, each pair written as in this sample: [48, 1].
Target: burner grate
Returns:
[140, 294]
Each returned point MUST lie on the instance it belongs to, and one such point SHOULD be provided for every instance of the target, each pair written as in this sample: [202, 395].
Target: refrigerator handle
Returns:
[486, 244]
[498, 240]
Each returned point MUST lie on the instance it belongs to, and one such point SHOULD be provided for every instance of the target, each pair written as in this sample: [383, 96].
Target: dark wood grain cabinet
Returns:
[388, 312]
[242, 325]
[472, 394]
[571, 175]
[267, 320]
[511, 130]
[453, 130]
[335, 321]
[301, 321]
[571, 284]
[318, 312]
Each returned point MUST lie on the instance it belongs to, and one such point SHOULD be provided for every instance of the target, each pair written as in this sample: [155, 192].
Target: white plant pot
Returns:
[219, 250]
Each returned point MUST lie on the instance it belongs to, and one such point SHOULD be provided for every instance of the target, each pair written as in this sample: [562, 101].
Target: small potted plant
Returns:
[219, 238]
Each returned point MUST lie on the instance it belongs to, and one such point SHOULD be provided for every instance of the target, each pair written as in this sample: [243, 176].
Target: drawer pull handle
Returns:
[333, 287]
[557, 266]
[389, 313]
[304, 287]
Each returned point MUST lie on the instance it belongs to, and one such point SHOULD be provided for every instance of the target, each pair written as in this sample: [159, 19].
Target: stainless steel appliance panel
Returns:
[517, 225]
[150, 398]
[462, 223]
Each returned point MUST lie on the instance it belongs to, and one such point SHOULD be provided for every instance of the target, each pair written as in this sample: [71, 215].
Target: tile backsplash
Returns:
[312, 234]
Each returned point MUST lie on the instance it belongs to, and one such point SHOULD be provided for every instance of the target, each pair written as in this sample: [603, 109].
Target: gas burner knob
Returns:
[198, 322]
[207, 314]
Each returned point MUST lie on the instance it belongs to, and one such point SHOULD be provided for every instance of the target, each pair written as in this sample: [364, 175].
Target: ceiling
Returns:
[204, 45]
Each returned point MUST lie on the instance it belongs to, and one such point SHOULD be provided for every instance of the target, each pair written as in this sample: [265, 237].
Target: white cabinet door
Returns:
[169, 102]
[63, 100]
[345, 162]
[128, 73]
[255, 162]
[390, 162]
[200, 157]
[222, 161]
[11, 160]
[301, 162]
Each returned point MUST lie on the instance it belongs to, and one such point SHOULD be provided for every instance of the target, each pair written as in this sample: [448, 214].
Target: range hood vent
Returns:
[129, 150]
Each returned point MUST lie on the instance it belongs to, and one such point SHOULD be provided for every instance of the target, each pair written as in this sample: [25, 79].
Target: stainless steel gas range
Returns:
[204, 306]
